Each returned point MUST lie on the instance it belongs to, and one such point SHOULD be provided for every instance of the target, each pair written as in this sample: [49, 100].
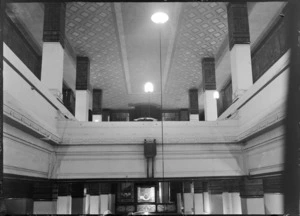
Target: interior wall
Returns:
[122, 161]
[25, 154]
[24, 99]
[44, 207]
[19, 206]
[69, 75]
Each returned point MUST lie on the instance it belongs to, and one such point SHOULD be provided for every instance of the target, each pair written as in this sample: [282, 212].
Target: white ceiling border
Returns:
[119, 20]
[169, 56]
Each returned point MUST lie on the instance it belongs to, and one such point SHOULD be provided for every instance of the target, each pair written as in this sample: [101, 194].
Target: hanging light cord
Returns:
[162, 121]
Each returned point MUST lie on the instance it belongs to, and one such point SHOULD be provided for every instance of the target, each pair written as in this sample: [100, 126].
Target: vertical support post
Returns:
[2, 11]
[209, 88]
[292, 127]
[97, 105]
[82, 102]
[252, 196]
[53, 48]
[194, 105]
[239, 45]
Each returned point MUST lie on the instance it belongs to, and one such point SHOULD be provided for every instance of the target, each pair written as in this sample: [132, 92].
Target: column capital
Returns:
[215, 187]
[194, 106]
[45, 191]
[64, 189]
[273, 184]
[77, 190]
[82, 73]
[97, 101]
[187, 187]
[238, 24]
[93, 189]
[231, 185]
[208, 74]
[252, 188]
[54, 23]
[198, 187]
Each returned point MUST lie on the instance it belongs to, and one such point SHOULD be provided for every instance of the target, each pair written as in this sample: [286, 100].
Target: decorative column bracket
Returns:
[54, 23]
[238, 25]
[194, 106]
[208, 74]
[97, 101]
[82, 73]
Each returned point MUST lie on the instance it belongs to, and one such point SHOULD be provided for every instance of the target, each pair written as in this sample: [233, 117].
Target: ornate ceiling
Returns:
[124, 50]
[123, 46]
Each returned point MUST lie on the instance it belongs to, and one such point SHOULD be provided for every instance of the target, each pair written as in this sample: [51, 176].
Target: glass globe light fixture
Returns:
[216, 95]
[148, 87]
[159, 17]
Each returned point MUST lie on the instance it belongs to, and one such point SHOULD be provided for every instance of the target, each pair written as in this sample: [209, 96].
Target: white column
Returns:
[103, 203]
[253, 205]
[87, 204]
[206, 203]
[273, 203]
[227, 203]
[94, 204]
[111, 203]
[231, 203]
[236, 203]
[82, 105]
[64, 204]
[78, 205]
[52, 67]
[210, 106]
[241, 69]
[216, 203]
[179, 203]
[188, 201]
[44, 207]
[194, 117]
[97, 118]
[199, 203]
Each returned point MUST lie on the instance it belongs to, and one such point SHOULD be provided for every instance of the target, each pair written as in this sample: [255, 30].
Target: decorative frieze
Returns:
[82, 73]
[238, 24]
[208, 74]
[270, 49]
[54, 23]
[16, 41]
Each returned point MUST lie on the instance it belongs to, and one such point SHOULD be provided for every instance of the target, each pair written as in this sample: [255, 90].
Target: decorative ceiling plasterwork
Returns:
[98, 30]
[91, 30]
[202, 29]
